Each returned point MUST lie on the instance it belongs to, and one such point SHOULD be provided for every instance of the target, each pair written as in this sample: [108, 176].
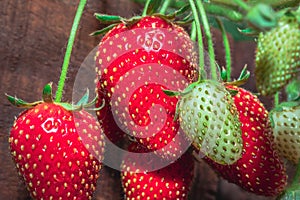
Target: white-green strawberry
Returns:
[210, 119]
[286, 129]
[278, 55]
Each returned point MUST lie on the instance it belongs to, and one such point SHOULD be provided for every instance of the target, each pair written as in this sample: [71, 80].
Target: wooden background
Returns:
[33, 39]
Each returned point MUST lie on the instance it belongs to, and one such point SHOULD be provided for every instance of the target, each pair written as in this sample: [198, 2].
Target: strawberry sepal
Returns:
[47, 93]
[47, 97]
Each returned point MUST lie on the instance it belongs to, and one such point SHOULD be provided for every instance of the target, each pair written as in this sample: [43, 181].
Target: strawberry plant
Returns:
[159, 100]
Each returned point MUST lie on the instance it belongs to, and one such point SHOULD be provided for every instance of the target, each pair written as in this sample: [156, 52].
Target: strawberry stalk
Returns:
[193, 32]
[209, 39]
[242, 4]
[147, 5]
[276, 99]
[223, 11]
[164, 7]
[226, 48]
[199, 36]
[66, 61]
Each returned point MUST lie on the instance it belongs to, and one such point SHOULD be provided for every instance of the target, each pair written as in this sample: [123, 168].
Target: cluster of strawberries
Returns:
[58, 148]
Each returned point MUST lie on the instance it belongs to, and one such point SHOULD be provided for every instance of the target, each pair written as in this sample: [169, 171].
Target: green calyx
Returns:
[150, 10]
[242, 79]
[47, 97]
[186, 91]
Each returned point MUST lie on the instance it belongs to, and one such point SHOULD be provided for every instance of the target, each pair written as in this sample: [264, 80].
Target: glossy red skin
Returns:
[50, 156]
[126, 63]
[260, 169]
[168, 183]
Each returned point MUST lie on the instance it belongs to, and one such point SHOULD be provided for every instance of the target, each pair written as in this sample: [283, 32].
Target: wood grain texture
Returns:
[33, 39]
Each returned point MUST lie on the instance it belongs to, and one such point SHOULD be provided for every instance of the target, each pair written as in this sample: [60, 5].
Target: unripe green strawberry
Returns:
[209, 117]
[286, 130]
[278, 56]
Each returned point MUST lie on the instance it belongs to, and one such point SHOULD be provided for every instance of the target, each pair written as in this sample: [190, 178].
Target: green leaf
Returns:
[47, 93]
[293, 90]
[108, 19]
[262, 16]
[103, 31]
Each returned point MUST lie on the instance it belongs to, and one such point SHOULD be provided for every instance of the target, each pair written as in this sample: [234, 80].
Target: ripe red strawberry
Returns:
[57, 152]
[135, 62]
[259, 170]
[169, 183]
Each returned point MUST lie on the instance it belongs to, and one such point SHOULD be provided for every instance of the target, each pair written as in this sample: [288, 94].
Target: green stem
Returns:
[227, 49]
[199, 36]
[164, 7]
[208, 35]
[66, 62]
[276, 99]
[223, 11]
[146, 8]
[242, 4]
[193, 32]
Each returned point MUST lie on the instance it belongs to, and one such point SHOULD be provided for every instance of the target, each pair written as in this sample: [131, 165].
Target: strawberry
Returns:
[135, 62]
[209, 118]
[259, 170]
[286, 129]
[57, 152]
[169, 183]
[277, 56]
